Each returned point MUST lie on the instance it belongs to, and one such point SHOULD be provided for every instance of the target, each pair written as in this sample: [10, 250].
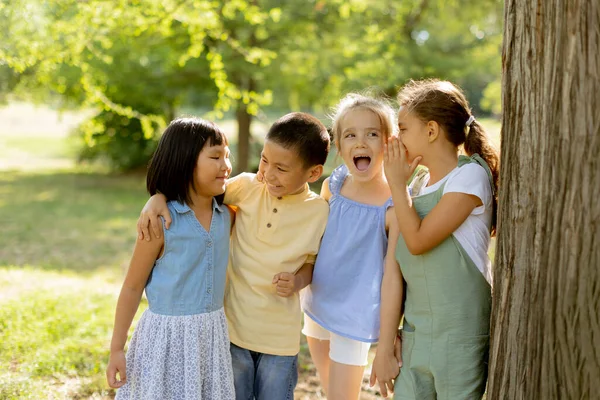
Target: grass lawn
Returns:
[66, 238]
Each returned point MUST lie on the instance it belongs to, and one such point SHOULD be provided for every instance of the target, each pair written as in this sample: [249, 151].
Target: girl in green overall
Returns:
[444, 235]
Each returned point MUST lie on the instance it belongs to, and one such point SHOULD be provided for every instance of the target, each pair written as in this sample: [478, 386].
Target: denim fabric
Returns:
[259, 376]
[189, 278]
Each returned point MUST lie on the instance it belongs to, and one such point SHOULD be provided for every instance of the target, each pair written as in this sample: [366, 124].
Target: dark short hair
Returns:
[171, 169]
[303, 133]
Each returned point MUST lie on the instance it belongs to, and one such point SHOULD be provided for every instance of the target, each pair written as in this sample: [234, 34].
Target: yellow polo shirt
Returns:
[271, 235]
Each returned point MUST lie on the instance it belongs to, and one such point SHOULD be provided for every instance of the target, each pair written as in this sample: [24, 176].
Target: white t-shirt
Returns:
[474, 233]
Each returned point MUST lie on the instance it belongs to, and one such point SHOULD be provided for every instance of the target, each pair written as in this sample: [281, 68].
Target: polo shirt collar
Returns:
[292, 198]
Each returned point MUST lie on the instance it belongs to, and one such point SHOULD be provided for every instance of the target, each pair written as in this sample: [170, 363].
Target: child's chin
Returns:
[275, 192]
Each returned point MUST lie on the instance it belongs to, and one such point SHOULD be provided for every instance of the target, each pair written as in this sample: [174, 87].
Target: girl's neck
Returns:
[377, 181]
[200, 203]
[440, 165]
[374, 191]
[202, 208]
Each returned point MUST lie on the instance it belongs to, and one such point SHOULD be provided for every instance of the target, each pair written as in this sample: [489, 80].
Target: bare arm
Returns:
[142, 261]
[452, 210]
[423, 235]
[325, 192]
[287, 283]
[386, 363]
[304, 276]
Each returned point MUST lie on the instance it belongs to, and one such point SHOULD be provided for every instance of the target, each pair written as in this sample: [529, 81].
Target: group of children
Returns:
[223, 260]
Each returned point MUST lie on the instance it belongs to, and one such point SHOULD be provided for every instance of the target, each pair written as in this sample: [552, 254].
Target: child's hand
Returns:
[385, 370]
[116, 363]
[395, 162]
[155, 207]
[287, 284]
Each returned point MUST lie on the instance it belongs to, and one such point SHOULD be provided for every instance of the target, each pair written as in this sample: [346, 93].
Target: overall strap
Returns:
[417, 180]
[476, 158]
[336, 179]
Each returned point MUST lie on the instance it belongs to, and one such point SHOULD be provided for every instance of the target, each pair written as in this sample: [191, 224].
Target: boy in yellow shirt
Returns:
[278, 230]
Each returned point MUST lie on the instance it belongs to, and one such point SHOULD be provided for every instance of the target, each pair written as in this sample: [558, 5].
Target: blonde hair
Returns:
[353, 101]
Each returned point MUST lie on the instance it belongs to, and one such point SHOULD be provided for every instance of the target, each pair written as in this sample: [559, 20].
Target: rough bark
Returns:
[546, 324]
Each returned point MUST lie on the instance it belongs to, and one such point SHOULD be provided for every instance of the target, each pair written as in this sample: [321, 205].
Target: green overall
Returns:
[447, 317]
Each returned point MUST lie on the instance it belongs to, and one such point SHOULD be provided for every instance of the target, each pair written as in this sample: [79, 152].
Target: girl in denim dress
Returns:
[180, 348]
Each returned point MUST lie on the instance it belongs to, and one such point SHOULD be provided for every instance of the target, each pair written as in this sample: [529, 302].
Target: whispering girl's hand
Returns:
[395, 163]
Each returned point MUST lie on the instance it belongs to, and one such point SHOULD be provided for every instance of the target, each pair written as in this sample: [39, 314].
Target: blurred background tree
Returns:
[141, 63]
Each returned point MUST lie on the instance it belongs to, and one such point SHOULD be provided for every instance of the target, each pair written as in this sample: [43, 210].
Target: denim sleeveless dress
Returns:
[445, 337]
[180, 347]
[345, 293]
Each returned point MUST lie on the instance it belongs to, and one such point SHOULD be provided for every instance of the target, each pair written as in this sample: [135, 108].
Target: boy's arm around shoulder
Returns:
[237, 188]
[287, 283]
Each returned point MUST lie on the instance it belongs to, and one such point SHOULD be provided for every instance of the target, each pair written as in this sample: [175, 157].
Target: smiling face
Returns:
[212, 170]
[361, 143]
[283, 171]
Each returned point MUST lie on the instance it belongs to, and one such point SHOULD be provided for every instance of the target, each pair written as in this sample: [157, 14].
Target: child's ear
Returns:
[315, 173]
[433, 131]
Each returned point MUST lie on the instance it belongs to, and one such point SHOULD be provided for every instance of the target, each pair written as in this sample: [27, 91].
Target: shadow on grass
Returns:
[68, 220]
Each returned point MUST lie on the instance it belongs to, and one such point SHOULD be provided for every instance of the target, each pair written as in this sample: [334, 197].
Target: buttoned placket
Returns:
[210, 275]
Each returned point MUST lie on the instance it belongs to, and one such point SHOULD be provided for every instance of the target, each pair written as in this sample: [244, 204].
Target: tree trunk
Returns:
[244, 121]
[546, 313]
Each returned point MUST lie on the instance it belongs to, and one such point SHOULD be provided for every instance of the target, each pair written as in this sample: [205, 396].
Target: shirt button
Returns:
[274, 210]
[209, 291]
[269, 225]
[209, 244]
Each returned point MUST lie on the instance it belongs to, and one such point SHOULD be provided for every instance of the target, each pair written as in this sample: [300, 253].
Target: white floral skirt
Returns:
[179, 357]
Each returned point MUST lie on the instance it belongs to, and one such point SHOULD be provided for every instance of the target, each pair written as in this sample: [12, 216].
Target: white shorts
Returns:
[341, 349]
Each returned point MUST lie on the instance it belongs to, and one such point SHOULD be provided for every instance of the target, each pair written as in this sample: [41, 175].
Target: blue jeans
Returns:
[259, 376]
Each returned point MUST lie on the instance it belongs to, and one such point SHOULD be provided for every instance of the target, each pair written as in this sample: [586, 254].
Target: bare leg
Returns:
[344, 381]
[319, 352]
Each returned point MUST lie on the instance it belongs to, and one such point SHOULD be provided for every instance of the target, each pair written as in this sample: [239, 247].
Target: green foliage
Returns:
[117, 138]
[492, 98]
[143, 59]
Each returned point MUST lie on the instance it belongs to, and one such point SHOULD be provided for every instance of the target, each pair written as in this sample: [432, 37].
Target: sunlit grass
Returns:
[68, 220]
[54, 332]
[65, 241]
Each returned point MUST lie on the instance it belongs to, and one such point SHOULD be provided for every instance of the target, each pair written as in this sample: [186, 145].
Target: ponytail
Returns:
[478, 142]
[445, 103]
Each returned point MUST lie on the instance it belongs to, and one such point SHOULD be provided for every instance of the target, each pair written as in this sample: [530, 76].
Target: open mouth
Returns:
[362, 162]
